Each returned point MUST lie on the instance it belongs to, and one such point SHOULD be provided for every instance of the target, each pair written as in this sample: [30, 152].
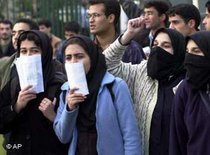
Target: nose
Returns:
[204, 21]
[74, 60]
[171, 26]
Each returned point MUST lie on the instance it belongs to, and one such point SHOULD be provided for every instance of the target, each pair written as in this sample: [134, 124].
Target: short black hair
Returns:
[72, 26]
[7, 22]
[187, 12]
[207, 5]
[111, 7]
[45, 22]
[161, 7]
[32, 24]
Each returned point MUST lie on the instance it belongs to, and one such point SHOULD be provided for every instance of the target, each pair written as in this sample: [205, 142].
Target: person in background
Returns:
[93, 124]
[46, 27]
[71, 29]
[103, 20]
[6, 47]
[6, 64]
[152, 82]
[206, 20]
[29, 116]
[184, 18]
[190, 124]
[155, 18]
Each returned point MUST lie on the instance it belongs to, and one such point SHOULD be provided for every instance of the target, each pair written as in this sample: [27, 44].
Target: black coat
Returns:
[30, 132]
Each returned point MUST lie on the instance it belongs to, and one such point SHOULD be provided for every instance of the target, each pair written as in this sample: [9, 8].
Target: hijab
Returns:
[86, 118]
[51, 76]
[163, 65]
[198, 67]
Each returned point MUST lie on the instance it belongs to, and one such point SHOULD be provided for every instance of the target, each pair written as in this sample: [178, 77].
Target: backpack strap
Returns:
[64, 96]
[109, 86]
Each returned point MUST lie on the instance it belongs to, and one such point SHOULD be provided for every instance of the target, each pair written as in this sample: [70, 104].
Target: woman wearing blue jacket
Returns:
[103, 122]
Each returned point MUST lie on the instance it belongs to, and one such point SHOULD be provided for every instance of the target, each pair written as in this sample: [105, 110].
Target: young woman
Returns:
[152, 82]
[28, 116]
[190, 125]
[96, 124]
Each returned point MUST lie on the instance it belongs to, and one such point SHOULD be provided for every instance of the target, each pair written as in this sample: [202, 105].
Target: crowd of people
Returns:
[148, 88]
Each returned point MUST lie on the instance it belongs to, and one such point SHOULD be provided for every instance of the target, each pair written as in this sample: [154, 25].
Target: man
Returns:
[46, 27]
[103, 19]
[184, 18]
[206, 20]
[155, 18]
[70, 29]
[6, 47]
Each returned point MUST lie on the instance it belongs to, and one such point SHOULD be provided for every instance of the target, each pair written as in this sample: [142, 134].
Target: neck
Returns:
[157, 28]
[106, 38]
[5, 42]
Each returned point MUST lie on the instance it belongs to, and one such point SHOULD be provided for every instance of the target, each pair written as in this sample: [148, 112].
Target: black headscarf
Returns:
[86, 118]
[176, 64]
[198, 67]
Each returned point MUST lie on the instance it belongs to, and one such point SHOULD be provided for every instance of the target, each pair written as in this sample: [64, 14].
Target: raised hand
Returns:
[133, 27]
[24, 97]
[47, 108]
[73, 99]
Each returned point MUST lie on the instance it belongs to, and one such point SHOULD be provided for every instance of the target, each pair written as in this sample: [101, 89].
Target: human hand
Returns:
[134, 26]
[24, 97]
[47, 108]
[73, 99]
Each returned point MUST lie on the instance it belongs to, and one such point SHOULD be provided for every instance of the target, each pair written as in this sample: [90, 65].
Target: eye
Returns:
[35, 51]
[23, 51]
[68, 58]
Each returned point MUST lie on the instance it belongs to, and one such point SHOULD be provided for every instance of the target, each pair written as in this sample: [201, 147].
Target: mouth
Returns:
[92, 27]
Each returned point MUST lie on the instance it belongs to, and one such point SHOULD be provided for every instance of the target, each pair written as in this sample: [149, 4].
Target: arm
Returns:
[116, 50]
[11, 107]
[66, 116]
[127, 119]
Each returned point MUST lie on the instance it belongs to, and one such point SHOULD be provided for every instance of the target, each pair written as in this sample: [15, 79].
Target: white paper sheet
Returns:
[76, 77]
[29, 70]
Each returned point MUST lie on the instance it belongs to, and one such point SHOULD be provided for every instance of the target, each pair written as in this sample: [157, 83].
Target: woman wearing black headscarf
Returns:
[102, 122]
[28, 116]
[190, 125]
[152, 82]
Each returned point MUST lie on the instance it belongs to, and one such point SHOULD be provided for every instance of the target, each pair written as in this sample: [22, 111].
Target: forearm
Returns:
[113, 56]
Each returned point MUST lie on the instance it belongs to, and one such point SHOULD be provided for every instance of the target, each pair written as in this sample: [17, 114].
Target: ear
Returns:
[191, 23]
[163, 17]
[111, 18]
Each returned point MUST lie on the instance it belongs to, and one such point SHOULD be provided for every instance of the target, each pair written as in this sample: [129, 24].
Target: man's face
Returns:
[152, 18]
[5, 31]
[178, 23]
[18, 28]
[206, 20]
[98, 21]
[69, 34]
[44, 29]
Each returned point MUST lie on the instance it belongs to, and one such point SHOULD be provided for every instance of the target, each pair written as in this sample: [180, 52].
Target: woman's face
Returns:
[28, 48]
[75, 53]
[193, 48]
[162, 40]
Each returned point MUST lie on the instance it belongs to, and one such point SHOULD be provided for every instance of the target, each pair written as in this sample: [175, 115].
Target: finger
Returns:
[26, 88]
[54, 101]
[72, 90]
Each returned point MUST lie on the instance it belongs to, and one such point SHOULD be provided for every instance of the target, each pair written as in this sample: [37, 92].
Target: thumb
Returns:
[54, 101]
